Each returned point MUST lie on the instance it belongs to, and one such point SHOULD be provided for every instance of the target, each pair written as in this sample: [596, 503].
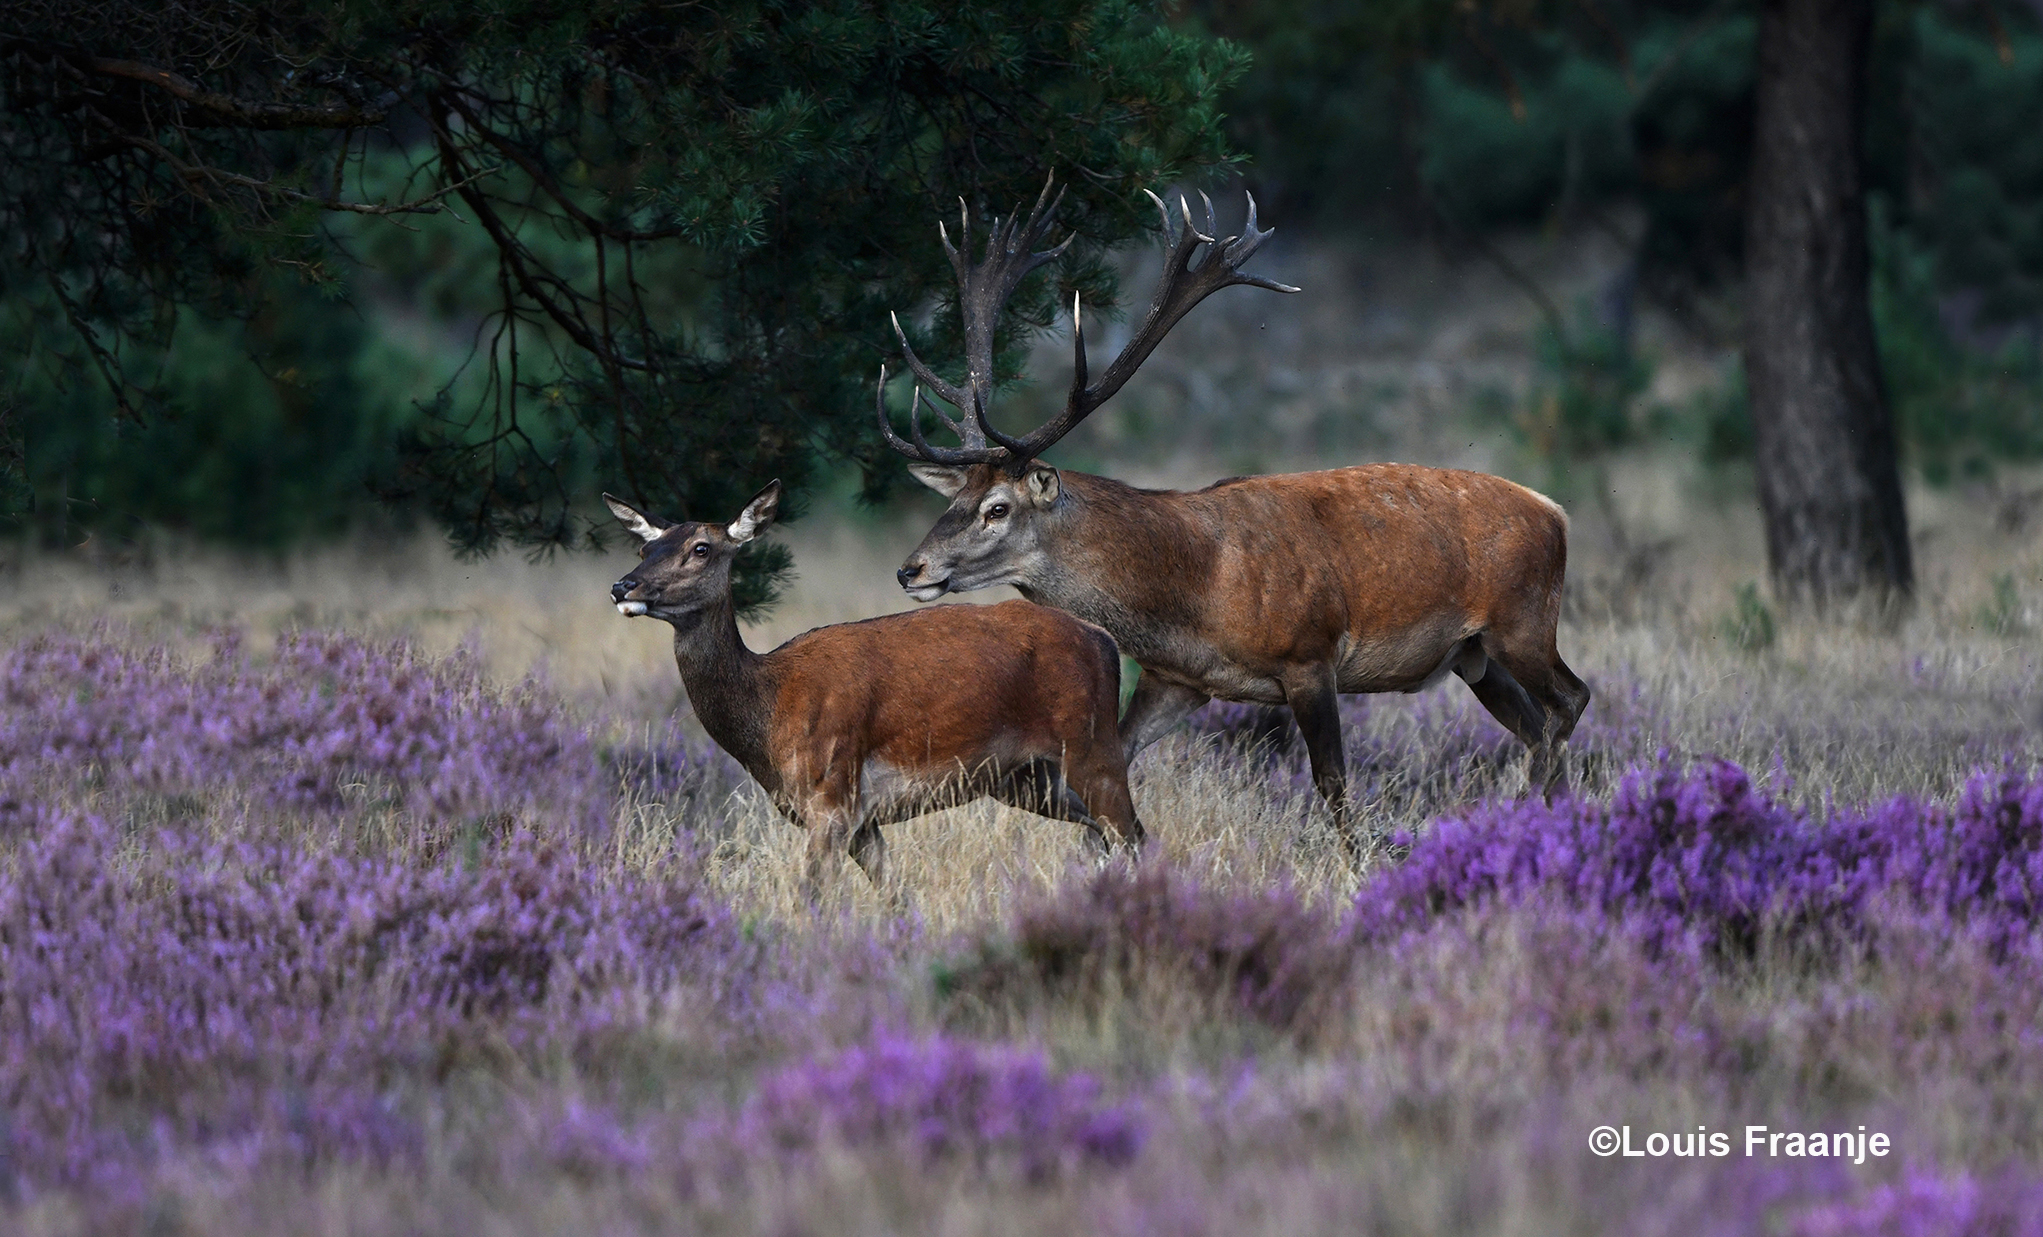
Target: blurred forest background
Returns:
[389, 266]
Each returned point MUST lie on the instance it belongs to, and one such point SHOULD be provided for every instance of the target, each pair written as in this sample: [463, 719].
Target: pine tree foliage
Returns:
[697, 215]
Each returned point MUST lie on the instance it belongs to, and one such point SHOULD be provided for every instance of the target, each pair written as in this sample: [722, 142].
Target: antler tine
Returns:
[951, 251]
[1242, 249]
[1038, 217]
[887, 434]
[1077, 353]
[923, 373]
[937, 455]
[1181, 286]
[1170, 231]
[887, 426]
[918, 447]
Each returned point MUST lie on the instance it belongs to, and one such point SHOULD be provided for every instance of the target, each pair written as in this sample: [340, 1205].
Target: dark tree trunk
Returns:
[1829, 484]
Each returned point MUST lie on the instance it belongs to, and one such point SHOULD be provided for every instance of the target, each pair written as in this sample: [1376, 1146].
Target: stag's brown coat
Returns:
[855, 726]
[1284, 590]
[1280, 590]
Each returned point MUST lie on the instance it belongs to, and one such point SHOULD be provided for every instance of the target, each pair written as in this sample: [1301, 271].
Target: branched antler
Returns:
[985, 289]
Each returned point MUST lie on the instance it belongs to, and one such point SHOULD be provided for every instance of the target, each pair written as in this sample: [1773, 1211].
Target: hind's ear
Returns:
[640, 526]
[757, 514]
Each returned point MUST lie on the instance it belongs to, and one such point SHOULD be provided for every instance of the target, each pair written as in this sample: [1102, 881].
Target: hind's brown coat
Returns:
[857, 725]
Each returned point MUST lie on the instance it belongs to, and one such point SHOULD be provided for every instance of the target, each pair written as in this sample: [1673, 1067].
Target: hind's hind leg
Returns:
[1096, 799]
[1039, 787]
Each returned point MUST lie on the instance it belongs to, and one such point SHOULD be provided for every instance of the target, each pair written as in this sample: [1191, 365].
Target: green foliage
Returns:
[1584, 402]
[267, 431]
[1977, 205]
[673, 232]
[1486, 159]
[1722, 421]
[1466, 117]
[1960, 410]
[1585, 399]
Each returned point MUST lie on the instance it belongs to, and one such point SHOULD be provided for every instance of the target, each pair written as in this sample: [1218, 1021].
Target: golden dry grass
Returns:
[1823, 712]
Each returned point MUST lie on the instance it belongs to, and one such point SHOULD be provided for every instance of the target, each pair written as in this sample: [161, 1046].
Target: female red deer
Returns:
[1276, 590]
[860, 725]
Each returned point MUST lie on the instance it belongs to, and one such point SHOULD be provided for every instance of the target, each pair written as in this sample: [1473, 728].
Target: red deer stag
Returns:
[860, 725]
[1277, 590]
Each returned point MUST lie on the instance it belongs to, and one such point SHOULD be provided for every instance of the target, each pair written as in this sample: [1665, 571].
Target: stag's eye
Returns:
[998, 511]
[701, 549]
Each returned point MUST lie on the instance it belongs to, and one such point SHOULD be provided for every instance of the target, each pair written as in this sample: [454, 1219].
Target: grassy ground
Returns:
[574, 986]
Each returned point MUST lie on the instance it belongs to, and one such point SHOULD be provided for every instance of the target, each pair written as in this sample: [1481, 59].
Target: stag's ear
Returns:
[757, 514]
[945, 479]
[641, 527]
[1043, 484]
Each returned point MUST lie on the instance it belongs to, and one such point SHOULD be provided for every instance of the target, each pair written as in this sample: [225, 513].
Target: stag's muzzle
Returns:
[927, 590]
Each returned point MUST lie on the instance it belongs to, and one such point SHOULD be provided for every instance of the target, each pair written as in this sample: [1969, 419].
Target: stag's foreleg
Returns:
[1154, 709]
[1315, 701]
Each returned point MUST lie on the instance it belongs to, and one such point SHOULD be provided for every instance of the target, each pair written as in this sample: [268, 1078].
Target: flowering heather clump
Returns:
[1929, 1203]
[1678, 853]
[1701, 855]
[941, 1097]
[1982, 863]
[327, 712]
[1266, 955]
[266, 999]
[247, 985]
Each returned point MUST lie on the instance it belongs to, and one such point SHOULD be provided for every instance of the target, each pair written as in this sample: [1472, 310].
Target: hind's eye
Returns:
[998, 511]
[702, 549]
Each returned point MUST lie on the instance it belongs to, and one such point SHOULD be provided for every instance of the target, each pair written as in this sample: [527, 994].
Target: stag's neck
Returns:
[728, 685]
[1133, 561]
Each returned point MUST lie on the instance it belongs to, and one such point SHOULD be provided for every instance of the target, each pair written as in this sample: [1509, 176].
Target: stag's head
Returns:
[685, 568]
[992, 533]
[1001, 497]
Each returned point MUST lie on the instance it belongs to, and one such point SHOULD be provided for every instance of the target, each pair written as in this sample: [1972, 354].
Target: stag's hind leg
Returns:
[1316, 705]
[1537, 698]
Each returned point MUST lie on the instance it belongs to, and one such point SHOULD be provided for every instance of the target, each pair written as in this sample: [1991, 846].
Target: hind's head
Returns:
[685, 568]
